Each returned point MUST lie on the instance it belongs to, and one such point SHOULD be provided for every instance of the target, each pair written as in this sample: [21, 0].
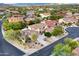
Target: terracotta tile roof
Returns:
[70, 19]
[50, 23]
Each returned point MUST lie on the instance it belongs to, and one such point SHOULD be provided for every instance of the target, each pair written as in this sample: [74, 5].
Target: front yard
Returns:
[14, 38]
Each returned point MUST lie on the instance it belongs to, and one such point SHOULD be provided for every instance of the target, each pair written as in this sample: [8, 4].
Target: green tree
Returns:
[14, 26]
[22, 11]
[37, 14]
[61, 49]
[57, 49]
[48, 34]
[67, 40]
[6, 25]
[1, 16]
[55, 17]
[11, 34]
[73, 44]
[66, 50]
[36, 21]
[17, 25]
[58, 30]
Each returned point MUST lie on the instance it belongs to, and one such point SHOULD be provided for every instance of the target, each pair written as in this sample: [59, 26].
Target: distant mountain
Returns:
[4, 5]
[30, 4]
[23, 4]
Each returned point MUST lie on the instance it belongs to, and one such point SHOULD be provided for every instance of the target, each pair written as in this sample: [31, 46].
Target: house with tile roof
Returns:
[16, 18]
[44, 15]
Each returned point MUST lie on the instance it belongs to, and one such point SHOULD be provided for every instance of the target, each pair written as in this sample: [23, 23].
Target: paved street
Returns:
[8, 49]
[73, 32]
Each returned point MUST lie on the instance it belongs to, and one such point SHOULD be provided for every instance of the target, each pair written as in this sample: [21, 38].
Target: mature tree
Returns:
[57, 49]
[67, 40]
[71, 43]
[58, 30]
[55, 17]
[66, 50]
[17, 25]
[36, 21]
[37, 14]
[53, 12]
[61, 49]
[1, 16]
[6, 25]
[22, 11]
[14, 26]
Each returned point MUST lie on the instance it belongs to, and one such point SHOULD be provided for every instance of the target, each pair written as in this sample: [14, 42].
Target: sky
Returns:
[39, 1]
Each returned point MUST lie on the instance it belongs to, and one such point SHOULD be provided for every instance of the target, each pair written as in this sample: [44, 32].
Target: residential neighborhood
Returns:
[32, 29]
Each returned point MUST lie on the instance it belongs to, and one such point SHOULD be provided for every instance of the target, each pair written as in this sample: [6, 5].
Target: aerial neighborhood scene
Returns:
[39, 29]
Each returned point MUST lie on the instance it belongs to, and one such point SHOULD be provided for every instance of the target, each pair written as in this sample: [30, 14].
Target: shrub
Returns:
[48, 34]
[34, 37]
[65, 49]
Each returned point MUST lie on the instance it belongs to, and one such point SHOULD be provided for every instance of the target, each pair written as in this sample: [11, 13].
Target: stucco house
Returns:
[44, 15]
[28, 33]
[2, 11]
[16, 18]
[77, 16]
[37, 27]
[68, 20]
[50, 24]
